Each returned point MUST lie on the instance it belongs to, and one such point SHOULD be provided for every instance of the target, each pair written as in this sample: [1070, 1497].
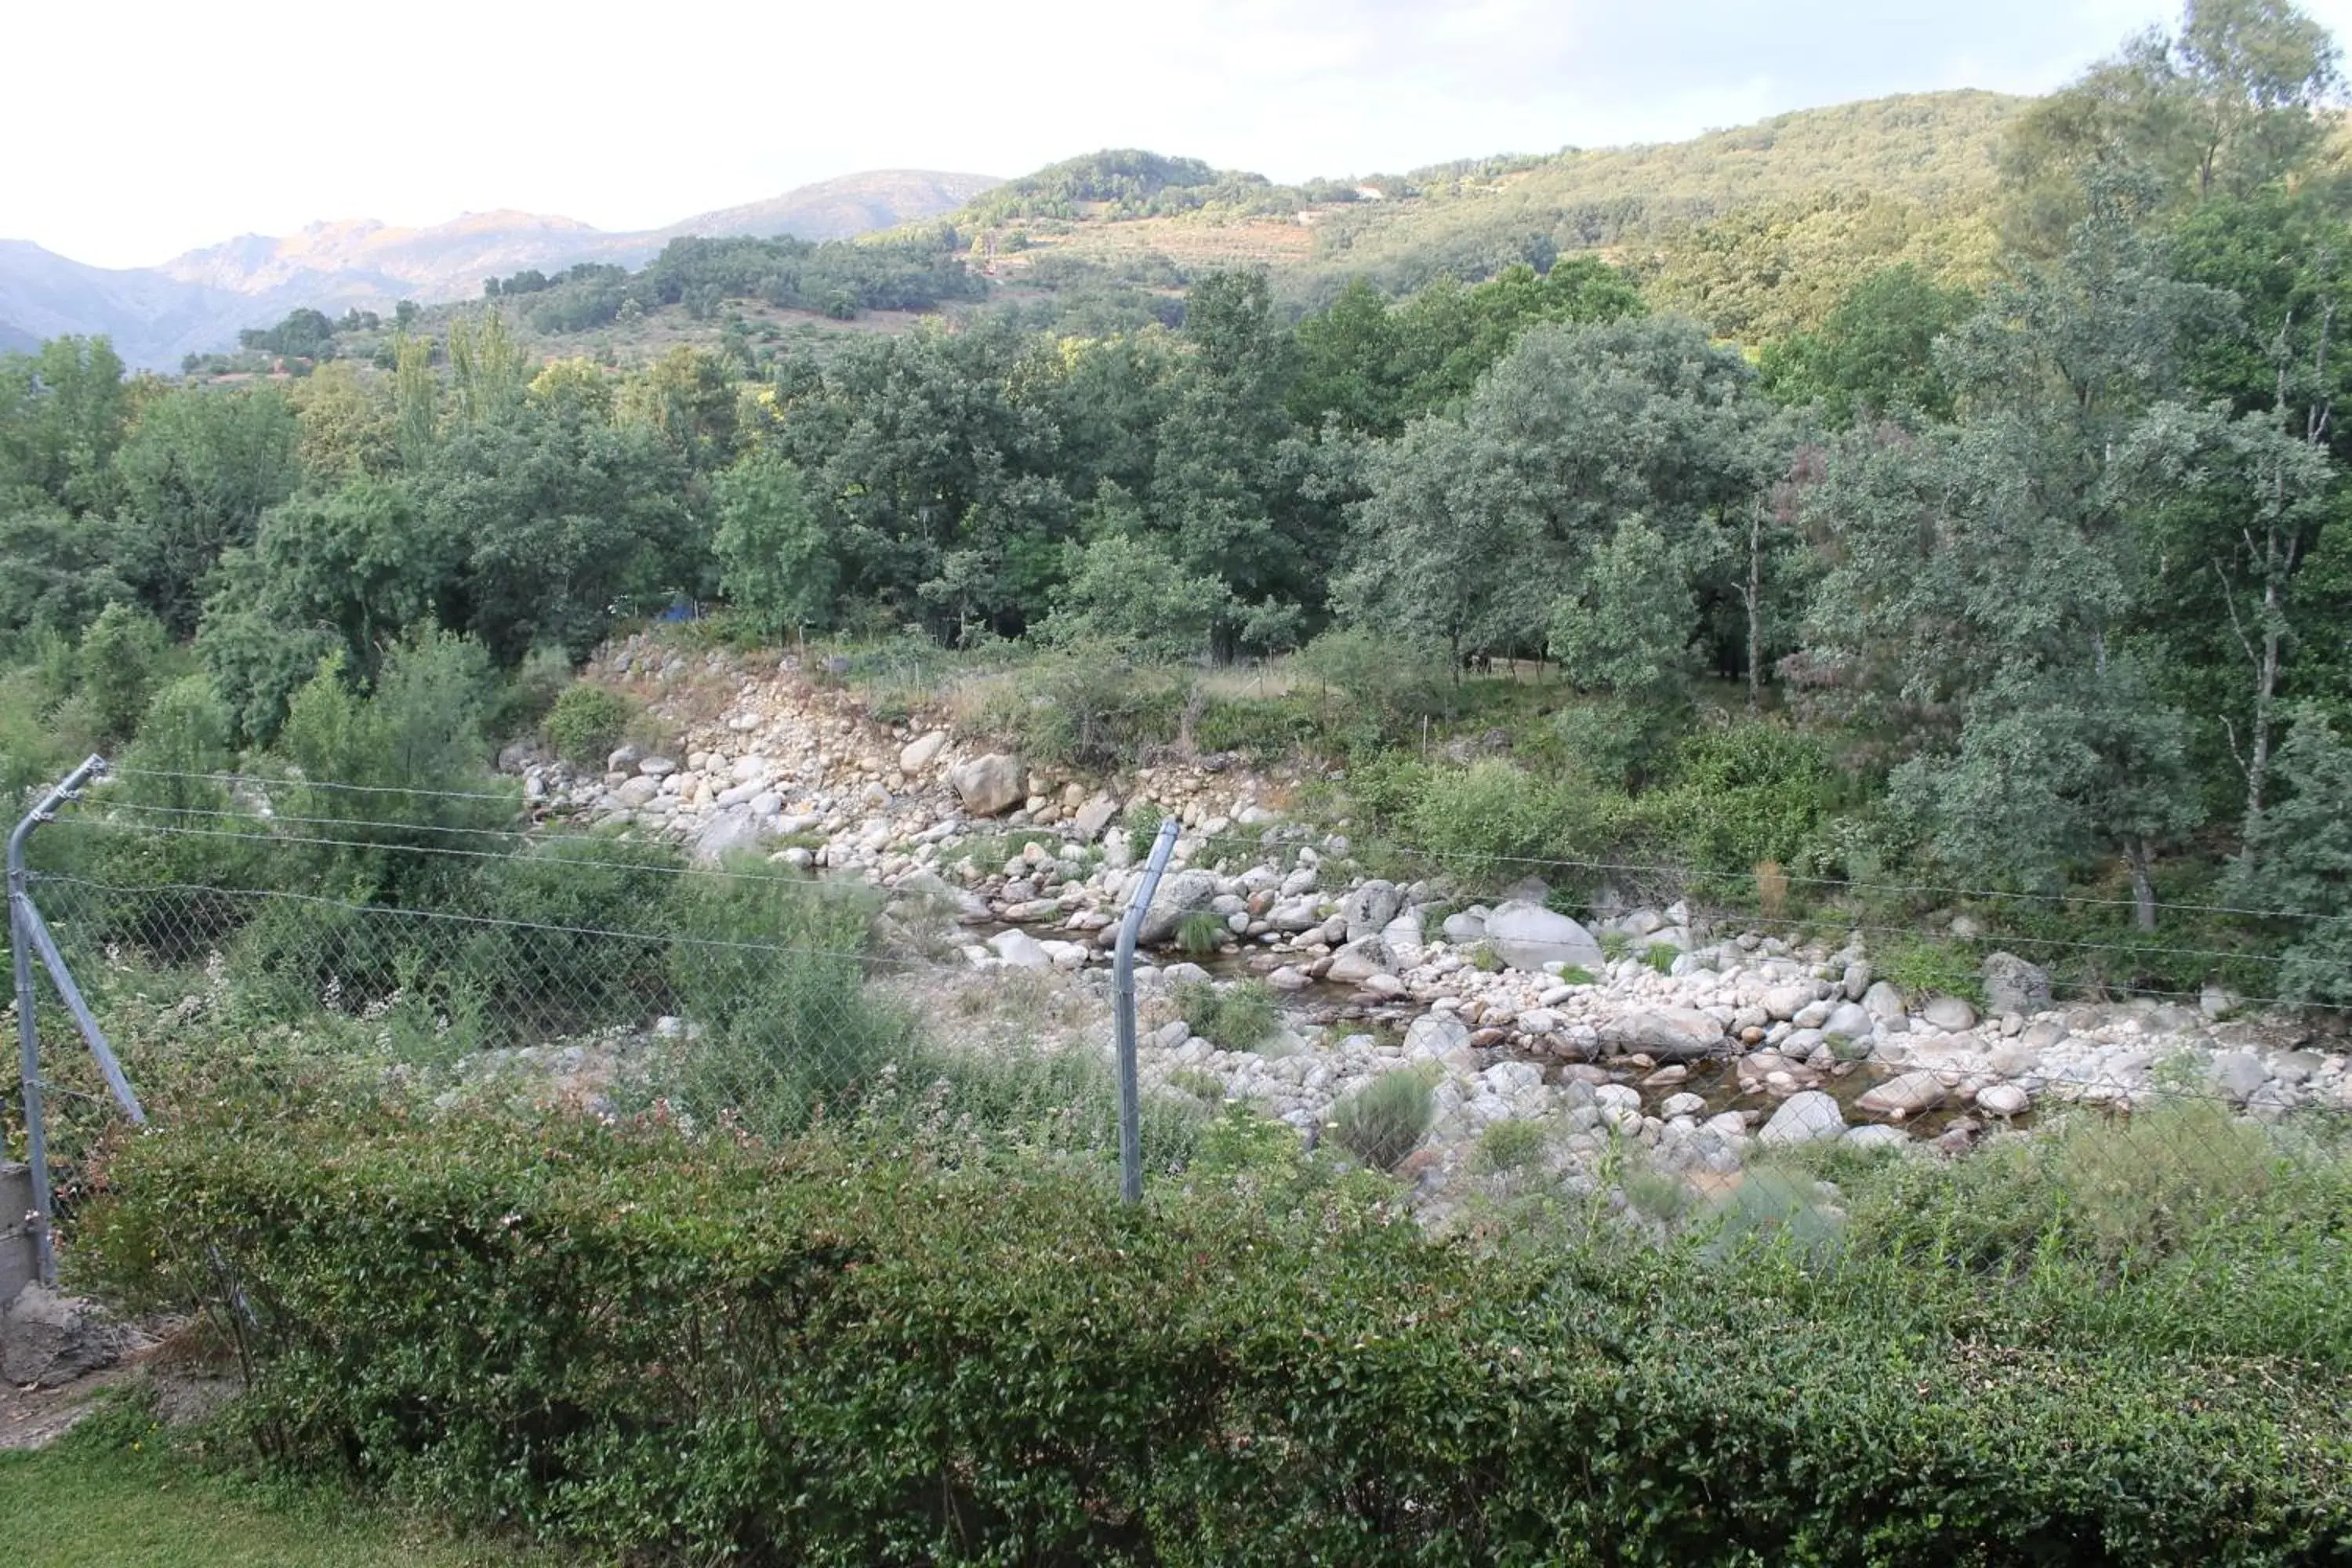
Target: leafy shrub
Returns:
[1140, 822]
[1921, 967]
[2143, 1185]
[1484, 822]
[1376, 686]
[1777, 1208]
[1512, 1144]
[1654, 1194]
[2180, 1228]
[771, 968]
[1237, 1017]
[1201, 931]
[32, 753]
[170, 896]
[118, 666]
[1265, 730]
[829, 1353]
[1201, 1085]
[1749, 791]
[415, 738]
[1086, 709]
[1622, 744]
[1386, 787]
[1385, 1120]
[296, 959]
[77, 724]
[531, 692]
[586, 723]
[1661, 955]
[579, 938]
[1066, 1102]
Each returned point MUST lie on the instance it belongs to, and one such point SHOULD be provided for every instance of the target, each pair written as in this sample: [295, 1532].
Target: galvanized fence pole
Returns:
[1130, 1103]
[22, 922]
[62, 977]
[28, 1043]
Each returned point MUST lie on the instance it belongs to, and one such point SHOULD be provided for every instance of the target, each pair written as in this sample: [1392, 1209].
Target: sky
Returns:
[144, 127]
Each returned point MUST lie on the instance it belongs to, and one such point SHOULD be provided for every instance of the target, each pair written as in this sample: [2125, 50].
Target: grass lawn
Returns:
[112, 1495]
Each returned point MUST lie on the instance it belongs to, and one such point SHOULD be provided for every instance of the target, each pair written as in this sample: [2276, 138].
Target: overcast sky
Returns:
[141, 128]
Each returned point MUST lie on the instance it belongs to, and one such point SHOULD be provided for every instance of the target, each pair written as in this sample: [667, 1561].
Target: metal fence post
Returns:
[22, 925]
[1130, 1103]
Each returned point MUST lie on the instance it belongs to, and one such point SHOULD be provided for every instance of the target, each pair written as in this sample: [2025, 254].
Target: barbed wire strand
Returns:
[264, 781]
[798, 883]
[1686, 874]
[1260, 844]
[814, 886]
[526, 835]
[456, 917]
[1254, 847]
[478, 920]
[774, 878]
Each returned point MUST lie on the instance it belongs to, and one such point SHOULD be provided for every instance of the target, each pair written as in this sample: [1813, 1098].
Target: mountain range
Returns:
[197, 303]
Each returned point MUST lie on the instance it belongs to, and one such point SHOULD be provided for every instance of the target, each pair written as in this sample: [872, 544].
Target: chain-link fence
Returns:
[254, 947]
[1812, 1085]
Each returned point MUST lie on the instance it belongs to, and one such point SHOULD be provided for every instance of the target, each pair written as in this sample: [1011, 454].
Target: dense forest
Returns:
[2039, 541]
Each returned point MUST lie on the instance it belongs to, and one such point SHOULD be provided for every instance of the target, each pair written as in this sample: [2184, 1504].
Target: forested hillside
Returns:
[1757, 230]
[1972, 467]
[1823, 196]
[1757, 233]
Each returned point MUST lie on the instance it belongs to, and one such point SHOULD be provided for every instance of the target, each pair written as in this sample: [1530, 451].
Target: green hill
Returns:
[1806, 201]
[1757, 230]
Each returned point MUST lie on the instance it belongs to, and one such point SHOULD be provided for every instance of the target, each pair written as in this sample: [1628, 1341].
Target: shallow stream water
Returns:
[1716, 1080]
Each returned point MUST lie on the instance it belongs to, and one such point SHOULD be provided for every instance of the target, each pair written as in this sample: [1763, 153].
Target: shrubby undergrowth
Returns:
[674, 1348]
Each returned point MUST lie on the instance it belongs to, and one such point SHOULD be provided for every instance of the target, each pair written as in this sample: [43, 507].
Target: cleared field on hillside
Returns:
[1188, 242]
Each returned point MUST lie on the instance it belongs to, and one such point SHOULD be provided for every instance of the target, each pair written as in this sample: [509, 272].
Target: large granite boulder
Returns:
[1807, 1117]
[988, 785]
[1370, 908]
[1180, 893]
[1360, 959]
[1906, 1094]
[1528, 936]
[1664, 1034]
[2013, 985]
[919, 754]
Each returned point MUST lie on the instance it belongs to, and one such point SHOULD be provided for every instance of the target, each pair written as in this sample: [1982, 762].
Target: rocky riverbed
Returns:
[1643, 1024]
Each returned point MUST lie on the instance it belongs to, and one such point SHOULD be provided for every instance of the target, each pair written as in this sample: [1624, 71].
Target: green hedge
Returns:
[680, 1350]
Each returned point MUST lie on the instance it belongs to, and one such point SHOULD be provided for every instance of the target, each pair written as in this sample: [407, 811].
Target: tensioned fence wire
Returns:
[1274, 837]
[760, 1002]
[492, 845]
[583, 855]
[587, 972]
[1854, 906]
[1661, 873]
